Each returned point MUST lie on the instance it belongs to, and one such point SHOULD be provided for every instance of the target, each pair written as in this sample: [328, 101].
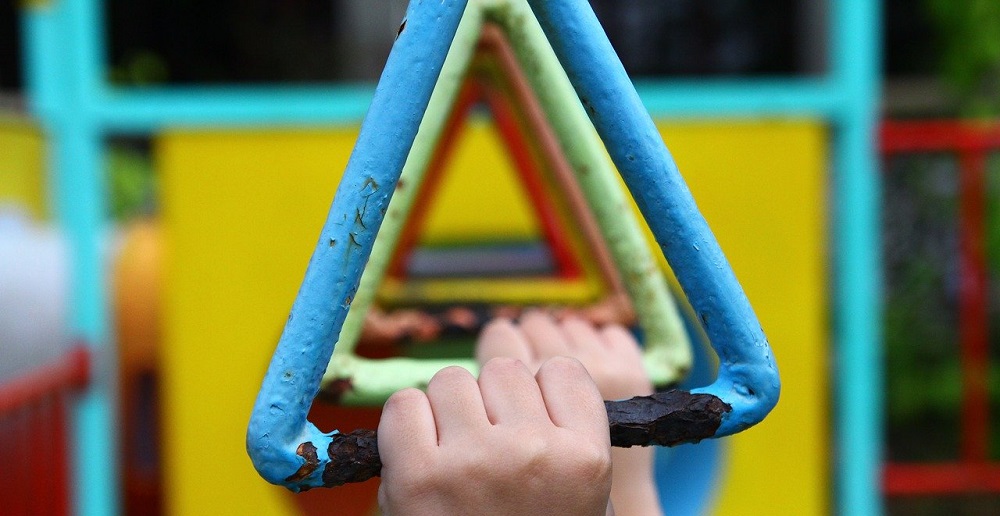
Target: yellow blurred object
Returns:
[22, 166]
[137, 293]
[243, 210]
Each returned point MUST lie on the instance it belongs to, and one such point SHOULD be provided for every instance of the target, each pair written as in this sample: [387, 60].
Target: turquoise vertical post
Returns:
[64, 69]
[855, 68]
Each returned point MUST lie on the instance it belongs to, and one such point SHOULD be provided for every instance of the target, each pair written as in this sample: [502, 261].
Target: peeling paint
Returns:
[607, 94]
[308, 452]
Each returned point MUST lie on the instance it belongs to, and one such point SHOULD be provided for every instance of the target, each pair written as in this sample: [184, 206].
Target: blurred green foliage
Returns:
[140, 68]
[131, 182]
[970, 51]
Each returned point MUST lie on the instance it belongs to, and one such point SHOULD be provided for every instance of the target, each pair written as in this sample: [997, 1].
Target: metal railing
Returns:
[971, 143]
[35, 433]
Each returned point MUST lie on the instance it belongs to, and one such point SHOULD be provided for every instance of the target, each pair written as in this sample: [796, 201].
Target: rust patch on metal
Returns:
[665, 418]
[307, 451]
[353, 458]
[333, 392]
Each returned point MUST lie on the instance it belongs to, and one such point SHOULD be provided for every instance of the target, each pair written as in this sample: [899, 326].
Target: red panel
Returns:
[59, 492]
[38, 451]
[941, 479]
[18, 466]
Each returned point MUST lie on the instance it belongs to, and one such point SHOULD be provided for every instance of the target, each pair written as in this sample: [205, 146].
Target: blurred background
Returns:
[165, 167]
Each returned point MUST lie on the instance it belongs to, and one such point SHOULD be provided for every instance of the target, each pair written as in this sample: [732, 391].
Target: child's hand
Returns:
[511, 443]
[614, 360]
[611, 355]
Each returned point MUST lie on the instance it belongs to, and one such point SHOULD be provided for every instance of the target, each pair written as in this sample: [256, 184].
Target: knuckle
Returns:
[618, 336]
[563, 366]
[449, 376]
[401, 400]
[591, 462]
[503, 365]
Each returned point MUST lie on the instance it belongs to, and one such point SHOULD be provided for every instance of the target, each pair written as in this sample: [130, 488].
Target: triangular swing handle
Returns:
[289, 450]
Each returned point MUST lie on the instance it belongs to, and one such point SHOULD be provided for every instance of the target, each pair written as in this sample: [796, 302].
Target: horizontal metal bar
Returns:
[941, 479]
[772, 97]
[150, 110]
[897, 137]
[68, 372]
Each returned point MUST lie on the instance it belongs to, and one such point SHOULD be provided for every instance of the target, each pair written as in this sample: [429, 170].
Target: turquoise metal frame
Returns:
[64, 56]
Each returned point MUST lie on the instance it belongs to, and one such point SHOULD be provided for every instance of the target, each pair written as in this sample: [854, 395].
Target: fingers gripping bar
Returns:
[288, 450]
[663, 419]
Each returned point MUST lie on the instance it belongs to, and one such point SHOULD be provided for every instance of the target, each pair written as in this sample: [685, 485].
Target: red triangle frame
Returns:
[496, 80]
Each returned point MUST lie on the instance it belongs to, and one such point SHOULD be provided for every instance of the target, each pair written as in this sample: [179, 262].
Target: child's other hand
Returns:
[509, 443]
[611, 355]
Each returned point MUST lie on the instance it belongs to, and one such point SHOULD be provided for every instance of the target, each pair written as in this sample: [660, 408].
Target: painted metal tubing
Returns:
[344, 363]
[63, 41]
[148, 110]
[748, 376]
[279, 432]
[668, 350]
[859, 384]
[550, 147]
[747, 387]
[663, 419]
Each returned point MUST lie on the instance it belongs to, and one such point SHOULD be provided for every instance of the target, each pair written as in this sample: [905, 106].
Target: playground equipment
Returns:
[736, 138]
[288, 450]
[971, 143]
[41, 370]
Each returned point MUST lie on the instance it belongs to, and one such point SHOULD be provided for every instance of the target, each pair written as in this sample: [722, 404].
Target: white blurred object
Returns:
[34, 293]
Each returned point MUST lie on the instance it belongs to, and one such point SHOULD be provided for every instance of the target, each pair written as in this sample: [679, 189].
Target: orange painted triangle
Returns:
[565, 221]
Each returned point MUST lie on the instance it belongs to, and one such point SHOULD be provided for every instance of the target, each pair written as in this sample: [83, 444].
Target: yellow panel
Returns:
[761, 186]
[22, 171]
[243, 210]
[242, 214]
[480, 179]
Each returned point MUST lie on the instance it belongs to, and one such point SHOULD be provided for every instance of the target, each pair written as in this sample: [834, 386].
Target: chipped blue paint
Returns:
[748, 378]
[278, 423]
[748, 375]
